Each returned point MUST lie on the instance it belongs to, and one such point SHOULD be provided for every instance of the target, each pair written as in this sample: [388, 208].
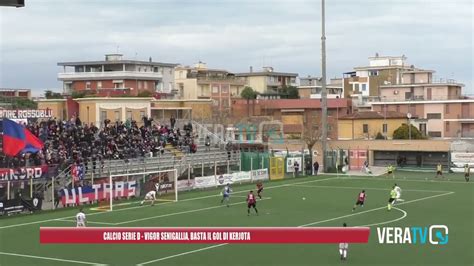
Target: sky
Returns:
[234, 35]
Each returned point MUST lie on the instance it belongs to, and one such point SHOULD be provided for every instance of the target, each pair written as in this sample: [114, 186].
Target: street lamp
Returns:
[409, 125]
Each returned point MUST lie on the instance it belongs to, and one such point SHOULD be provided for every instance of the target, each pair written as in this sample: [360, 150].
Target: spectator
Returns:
[316, 167]
[296, 167]
[208, 143]
[66, 142]
[172, 121]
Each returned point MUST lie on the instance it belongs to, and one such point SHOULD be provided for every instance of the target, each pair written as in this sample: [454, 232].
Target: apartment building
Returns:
[116, 75]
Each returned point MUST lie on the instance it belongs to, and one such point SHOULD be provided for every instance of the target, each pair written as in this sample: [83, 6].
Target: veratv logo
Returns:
[435, 234]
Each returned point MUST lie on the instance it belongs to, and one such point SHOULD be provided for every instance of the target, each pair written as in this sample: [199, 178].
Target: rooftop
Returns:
[265, 73]
[302, 103]
[374, 115]
[380, 67]
[431, 84]
[130, 62]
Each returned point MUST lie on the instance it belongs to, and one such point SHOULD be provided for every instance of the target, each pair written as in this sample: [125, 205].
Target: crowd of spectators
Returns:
[69, 142]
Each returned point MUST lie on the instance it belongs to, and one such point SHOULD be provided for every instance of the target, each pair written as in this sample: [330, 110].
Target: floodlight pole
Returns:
[324, 107]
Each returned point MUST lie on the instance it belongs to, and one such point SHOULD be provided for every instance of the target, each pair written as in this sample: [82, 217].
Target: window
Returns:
[373, 73]
[329, 128]
[118, 85]
[364, 87]
[433, 116]
[447, 126]
[142, 114]
[384, 128]
[447, 109]
[356, 86]
[215, 89]
[103, 116]
[145, 85]
[129, 115]
[117, 116]
[435, 134]
[99, 85]
[422, 128]
[365, 128]
[88, 85]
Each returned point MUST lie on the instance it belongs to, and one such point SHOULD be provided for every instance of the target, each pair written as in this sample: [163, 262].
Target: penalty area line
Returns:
[305, 225]
[89, 222]
[387, 222]
[182, 254]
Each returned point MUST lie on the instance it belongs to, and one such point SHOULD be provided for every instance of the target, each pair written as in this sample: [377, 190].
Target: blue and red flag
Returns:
[77, 172]
[18, 139]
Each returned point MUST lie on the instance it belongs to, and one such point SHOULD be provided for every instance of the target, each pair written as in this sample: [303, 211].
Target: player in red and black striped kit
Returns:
[251, 203]
[259, 189]
[360, 200]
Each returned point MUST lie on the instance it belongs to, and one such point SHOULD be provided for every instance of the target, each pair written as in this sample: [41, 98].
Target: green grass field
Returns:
[329, 201]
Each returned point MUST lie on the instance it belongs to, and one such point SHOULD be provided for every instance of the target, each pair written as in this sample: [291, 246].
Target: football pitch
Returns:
[321, 201]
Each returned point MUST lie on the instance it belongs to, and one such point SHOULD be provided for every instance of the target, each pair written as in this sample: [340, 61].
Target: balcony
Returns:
[231, 81]
[109, 75]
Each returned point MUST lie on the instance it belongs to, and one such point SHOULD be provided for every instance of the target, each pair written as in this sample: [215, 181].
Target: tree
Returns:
[291, 92]
[311, 135]
[78, 94]
[249, 94]
[379, 136]
[48, 94]
[23, 103]
[403, 133]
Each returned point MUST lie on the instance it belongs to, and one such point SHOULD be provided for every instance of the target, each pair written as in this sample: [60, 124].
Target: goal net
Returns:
[130, 189]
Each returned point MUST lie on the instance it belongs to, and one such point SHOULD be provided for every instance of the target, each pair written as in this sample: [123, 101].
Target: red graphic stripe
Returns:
[215, 235]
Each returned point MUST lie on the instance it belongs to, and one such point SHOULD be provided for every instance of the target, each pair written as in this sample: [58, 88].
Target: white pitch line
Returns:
[407, 180]
[387, 222]
[381, 189]
[376, 209]
[89, 222]
[318, 222]
[136, 207]
[181, 254]
[49, 258]
[183, 212]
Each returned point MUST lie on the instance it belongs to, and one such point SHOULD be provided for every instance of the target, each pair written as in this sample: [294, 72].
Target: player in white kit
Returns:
[398, 190]
[150, 196]
[343, 247]
[81, 219]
